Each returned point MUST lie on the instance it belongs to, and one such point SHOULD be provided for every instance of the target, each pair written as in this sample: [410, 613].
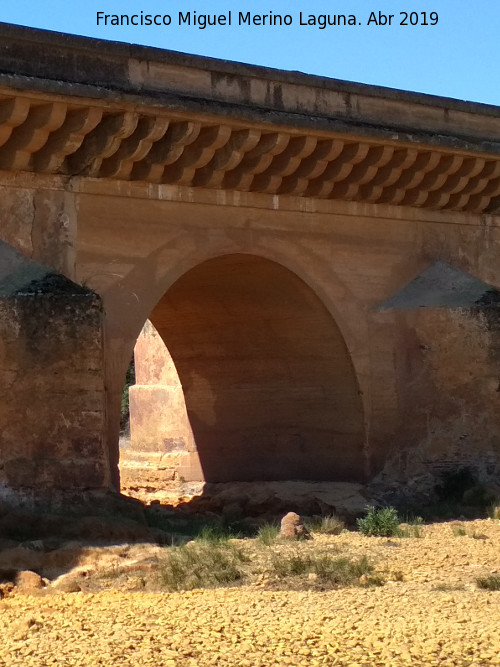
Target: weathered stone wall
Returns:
[448, 366]
[52, 412]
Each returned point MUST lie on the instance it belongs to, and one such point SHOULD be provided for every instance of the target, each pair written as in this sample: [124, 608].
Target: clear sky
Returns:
[458, 57]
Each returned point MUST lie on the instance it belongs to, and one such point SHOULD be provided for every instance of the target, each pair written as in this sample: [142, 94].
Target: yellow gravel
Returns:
[409, 622]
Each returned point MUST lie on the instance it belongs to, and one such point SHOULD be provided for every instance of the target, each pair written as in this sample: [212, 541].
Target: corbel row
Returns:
[85, 140]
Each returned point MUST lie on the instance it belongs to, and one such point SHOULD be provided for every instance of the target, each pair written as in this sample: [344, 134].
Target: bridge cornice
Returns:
[157, 117]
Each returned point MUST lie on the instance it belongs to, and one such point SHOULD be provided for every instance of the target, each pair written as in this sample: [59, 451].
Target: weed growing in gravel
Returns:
[478, 536]
[489, 583]
[289, 566]
[460, 531]
[215, 534]
[268, 534]
[326, 525]
[325, 570]
[382, 522]
[413, 527]
[201, 565]
[448, 588]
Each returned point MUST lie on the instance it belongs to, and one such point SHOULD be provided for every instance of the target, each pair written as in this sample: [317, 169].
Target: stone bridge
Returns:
[312, 263]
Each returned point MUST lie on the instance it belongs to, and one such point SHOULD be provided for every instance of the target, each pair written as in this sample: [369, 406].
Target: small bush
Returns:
[383, 522]
[200, 565]
[268, 533]
[458, 530]
[326, 525]
[489, 583]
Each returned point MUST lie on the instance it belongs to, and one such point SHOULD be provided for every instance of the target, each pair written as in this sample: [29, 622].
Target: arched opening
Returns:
[266, 388]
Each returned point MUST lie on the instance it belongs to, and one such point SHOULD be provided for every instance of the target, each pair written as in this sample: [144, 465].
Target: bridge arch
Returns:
[269, 385]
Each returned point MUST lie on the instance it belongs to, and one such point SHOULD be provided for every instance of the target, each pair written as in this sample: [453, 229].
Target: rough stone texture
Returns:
[28, 582]
[161, 440]
[450, 408]
[51, 374]
[259, 219]
[292, 528]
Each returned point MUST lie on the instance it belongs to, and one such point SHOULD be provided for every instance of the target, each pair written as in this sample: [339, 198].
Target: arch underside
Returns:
[268, 383]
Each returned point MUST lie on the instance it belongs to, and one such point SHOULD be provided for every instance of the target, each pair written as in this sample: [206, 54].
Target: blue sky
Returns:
[459, 57]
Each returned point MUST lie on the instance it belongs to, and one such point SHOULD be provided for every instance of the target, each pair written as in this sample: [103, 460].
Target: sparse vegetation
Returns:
[459, 530]
[412, 528]
[324, 570]
[448, 588]
[216, 534]
[268, 533]
[490, 583]
[325, 525]
[201, 564]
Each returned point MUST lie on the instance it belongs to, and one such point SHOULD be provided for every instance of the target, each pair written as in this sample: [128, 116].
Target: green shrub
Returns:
[489, 583]
[382, 522]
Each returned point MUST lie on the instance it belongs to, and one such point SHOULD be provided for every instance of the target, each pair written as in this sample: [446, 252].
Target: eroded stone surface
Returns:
[311, 202]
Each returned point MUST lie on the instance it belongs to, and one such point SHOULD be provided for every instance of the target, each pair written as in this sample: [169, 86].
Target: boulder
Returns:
[28, 581]
[292, 528]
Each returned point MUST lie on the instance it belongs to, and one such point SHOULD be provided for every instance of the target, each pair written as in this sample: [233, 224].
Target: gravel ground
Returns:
[435, 615]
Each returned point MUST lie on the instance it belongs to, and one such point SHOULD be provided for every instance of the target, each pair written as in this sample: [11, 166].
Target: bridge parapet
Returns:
[140, 114]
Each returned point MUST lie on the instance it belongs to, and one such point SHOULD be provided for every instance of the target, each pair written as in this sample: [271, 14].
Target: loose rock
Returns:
[27, 581]
[292, 528]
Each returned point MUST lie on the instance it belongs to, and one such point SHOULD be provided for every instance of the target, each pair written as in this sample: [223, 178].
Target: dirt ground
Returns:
[429, 610]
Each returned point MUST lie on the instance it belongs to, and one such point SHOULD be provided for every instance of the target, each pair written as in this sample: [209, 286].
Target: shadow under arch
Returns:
[269, 385]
